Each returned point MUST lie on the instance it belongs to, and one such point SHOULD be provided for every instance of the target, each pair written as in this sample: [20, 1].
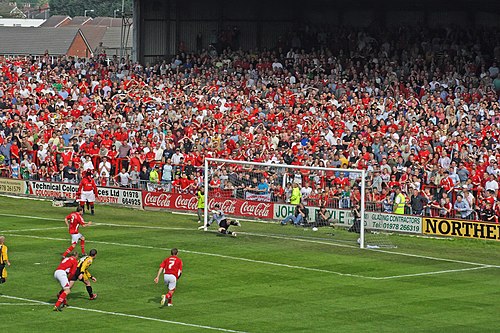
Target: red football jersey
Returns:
[68, 265]
[87, 184]
[172, 265]
[74, 220]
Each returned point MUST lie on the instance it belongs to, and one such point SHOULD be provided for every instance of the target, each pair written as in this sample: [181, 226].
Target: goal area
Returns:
[333, 198]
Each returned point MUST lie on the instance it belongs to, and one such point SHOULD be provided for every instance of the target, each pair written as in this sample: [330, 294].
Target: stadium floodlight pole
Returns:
[205, 194]
[362, 212]
[122, 32]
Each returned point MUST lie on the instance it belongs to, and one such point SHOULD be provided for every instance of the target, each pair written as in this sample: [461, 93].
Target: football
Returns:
[315, 229]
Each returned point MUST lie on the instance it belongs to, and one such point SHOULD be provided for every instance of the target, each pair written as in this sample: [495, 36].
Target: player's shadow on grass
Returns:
[73, 295]
[223, 235]
[155, 300]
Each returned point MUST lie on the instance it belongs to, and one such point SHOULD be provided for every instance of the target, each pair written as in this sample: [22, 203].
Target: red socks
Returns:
[71, 248]
[61, 299]
[82, 244]
[169, 296]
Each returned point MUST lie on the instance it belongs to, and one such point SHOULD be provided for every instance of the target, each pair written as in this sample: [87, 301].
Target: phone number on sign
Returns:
[10, 188]
[131, 202]
[398, 227]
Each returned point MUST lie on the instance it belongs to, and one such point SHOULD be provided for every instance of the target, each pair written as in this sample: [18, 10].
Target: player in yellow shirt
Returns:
[4, 260]
[83, 274]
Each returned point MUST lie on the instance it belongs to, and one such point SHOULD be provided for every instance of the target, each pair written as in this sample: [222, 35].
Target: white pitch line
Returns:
[287, 238]
[31, 217]
[34, 229]
[127, 315]
[141, 226]
[205, 254]
[268, 262]
[20, 304]
[432, 273]
[239, 219]
[23, 198]
[374, 250]
[435, 258]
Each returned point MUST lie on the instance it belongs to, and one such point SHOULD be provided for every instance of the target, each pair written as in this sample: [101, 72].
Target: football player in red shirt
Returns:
[87, 192]
[63, 273]
[172, 270]
[74, 221]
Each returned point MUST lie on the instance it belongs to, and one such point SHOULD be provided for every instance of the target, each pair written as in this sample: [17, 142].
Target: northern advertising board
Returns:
[461, 228]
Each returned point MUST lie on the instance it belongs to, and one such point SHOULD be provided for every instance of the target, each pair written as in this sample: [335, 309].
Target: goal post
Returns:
[261, 191]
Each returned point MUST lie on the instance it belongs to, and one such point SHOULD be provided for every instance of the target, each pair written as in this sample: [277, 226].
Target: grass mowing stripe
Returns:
[205, 254]
[126, 315]
[290, 238]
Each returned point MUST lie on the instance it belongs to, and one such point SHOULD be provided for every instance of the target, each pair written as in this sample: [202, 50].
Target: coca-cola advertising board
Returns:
[235, 207]
[119, 196]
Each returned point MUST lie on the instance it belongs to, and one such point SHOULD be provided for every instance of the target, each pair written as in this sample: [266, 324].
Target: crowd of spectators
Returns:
[417, 108]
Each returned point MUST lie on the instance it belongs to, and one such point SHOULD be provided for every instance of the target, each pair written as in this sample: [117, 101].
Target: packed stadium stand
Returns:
[418, 108]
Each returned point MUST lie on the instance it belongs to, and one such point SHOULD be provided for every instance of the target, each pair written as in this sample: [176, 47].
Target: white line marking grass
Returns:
[239, 219]
[126, 315]
[431, 273]
[31, 217]
[34, 229]
[21, 304]
[200, 253]
[259, 261]
[482, 265]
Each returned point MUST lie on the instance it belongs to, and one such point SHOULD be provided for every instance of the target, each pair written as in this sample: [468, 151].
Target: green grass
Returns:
[268, 279]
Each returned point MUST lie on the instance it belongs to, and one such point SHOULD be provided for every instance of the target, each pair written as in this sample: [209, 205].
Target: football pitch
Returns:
[268, 279]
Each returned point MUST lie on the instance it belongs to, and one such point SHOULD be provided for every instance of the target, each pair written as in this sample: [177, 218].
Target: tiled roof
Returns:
[35, 41]
[56, 21]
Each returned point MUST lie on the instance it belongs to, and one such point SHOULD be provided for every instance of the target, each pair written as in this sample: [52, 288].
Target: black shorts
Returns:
[75, 277]
[224, 224]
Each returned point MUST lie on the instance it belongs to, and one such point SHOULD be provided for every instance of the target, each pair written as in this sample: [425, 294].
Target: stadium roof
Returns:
[35, 41]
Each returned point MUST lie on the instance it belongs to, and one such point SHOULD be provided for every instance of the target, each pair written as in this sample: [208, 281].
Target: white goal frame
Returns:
[362, 183]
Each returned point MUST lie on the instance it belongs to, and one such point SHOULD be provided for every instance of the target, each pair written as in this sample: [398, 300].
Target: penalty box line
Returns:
[36, 302]
[279, 237]
[261, 261]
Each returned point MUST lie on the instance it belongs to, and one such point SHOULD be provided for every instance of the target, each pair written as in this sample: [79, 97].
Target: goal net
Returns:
[333, 199]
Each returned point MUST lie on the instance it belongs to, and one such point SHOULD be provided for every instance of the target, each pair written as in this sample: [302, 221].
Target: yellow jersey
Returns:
[201, 199]
[296, 196]
[4, 256]
[83, 267]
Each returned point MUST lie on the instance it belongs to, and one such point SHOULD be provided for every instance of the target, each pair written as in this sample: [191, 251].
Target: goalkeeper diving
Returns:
[222, 221]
